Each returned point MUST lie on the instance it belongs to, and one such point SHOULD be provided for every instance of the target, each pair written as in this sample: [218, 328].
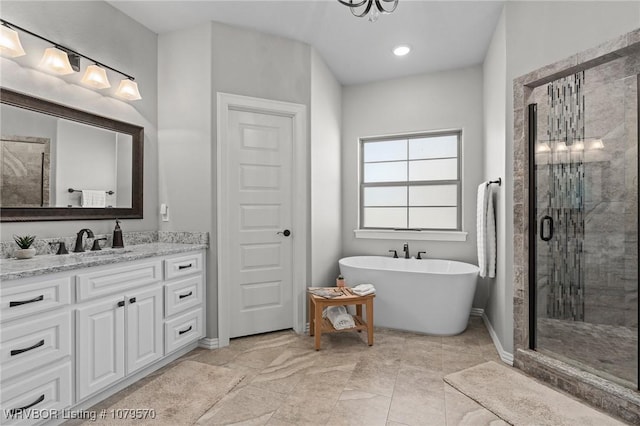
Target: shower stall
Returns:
[583, 219]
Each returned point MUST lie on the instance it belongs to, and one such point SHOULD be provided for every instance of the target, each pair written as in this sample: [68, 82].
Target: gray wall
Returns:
[326, 182]
[225, 59]
[540, 33]
[495, 92]
[186, 144]
[446, 100]
[106, 34]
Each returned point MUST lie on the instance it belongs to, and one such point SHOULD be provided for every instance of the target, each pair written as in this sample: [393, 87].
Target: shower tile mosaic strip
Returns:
[566, 109]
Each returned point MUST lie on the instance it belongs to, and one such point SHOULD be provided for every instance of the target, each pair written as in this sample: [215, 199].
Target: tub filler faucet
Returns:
[406, 250]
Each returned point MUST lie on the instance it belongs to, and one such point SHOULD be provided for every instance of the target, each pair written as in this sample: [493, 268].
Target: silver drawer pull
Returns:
[15, 411]
[19, 351]
[182, 296]
[186, 330]
[185, 266]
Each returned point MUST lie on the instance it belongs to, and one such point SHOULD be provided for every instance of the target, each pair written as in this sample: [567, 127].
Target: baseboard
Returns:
[505, 356]
[208, 343]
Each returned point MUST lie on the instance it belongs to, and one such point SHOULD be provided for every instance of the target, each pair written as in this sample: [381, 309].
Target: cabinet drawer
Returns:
[31, 296]
[31, 343]
[28, 400]
[117, 279]
[181, 266]
[182, 295]
[182, 330]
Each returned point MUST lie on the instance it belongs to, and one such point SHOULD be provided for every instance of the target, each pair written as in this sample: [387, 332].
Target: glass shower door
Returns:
[585, 226]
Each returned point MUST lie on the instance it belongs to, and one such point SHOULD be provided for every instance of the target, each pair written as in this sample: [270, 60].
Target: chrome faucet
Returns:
[79, 246]
[406, 250]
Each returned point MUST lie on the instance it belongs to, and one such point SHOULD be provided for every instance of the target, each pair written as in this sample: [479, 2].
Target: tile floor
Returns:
[397, 381]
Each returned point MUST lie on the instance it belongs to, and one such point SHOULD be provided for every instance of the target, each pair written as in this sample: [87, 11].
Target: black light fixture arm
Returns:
[65, 48]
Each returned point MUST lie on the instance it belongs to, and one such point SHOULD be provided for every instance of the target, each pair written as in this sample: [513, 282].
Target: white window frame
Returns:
[453, 234]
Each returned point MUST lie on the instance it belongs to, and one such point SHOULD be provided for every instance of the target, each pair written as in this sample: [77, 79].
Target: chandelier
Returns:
[360, 8]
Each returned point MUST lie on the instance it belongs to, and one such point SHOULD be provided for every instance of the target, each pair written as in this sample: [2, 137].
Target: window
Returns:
[411, 182]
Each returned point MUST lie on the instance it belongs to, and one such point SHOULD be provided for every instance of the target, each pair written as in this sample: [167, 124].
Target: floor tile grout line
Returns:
[395, 383]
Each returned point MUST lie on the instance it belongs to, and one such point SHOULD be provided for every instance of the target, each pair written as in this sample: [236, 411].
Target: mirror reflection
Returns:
[47, 161]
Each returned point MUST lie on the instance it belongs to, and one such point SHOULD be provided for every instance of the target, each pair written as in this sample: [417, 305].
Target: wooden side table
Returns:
[319, 325]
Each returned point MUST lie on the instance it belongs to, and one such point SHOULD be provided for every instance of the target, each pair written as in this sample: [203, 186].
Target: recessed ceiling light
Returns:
[401, 50]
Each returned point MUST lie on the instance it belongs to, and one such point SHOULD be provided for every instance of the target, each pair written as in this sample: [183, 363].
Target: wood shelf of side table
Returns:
[346, 298]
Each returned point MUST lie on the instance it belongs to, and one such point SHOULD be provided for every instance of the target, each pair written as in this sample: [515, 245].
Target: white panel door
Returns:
[100, 343]
[144, 328]
[260, 210]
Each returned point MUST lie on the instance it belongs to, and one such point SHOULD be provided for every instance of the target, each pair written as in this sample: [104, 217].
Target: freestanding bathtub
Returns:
[431, 296]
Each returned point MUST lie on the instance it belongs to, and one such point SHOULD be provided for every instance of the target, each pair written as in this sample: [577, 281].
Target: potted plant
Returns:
[25, 251]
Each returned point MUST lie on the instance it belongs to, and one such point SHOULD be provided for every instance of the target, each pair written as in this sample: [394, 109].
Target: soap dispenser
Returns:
[117, 236]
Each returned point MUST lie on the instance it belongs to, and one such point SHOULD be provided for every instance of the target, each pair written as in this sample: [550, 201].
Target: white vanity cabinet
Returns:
[120, 333]
[184, 297]
[72, 338]
[36, 349]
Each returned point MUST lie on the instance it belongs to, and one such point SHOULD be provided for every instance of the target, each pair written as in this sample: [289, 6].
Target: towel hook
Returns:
[498, 181]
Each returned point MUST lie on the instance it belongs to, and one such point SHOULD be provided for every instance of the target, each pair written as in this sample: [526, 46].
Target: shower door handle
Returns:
[546, 236]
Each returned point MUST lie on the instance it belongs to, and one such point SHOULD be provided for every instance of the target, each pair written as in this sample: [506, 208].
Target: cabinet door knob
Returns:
[121, 304]
[132, 300]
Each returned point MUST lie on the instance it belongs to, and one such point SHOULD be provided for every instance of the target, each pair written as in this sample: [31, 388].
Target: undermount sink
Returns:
[103, 252]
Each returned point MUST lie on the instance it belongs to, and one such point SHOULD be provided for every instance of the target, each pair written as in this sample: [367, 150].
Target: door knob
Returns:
[286, 232]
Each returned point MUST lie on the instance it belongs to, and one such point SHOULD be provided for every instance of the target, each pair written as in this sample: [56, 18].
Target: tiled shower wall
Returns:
[604, 184]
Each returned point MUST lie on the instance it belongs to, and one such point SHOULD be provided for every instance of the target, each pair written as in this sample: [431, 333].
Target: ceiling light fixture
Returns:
[62, 60]
[10, 45]
[365, 7]
[401, 50]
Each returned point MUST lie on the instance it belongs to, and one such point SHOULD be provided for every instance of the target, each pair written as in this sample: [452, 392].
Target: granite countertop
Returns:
[13, 269]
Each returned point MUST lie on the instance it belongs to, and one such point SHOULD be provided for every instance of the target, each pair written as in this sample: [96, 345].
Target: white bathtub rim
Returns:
[466, 268]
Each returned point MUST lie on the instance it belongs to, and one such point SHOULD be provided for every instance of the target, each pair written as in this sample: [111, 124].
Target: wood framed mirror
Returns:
[60, 163]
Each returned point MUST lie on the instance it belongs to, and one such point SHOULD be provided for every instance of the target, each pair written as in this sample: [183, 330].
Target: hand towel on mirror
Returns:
[94, 198]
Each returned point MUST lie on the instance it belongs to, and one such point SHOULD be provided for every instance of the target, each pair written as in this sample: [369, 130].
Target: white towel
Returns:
[94, 198]
[486, 230]
[364, 289]
[339, 317]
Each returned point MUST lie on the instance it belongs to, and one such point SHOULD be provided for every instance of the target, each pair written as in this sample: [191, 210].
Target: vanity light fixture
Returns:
[128, 89]
[401, 50]
[367, 8]
[10, 45]
[96, 77]
[62, 60]
[56, 61]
